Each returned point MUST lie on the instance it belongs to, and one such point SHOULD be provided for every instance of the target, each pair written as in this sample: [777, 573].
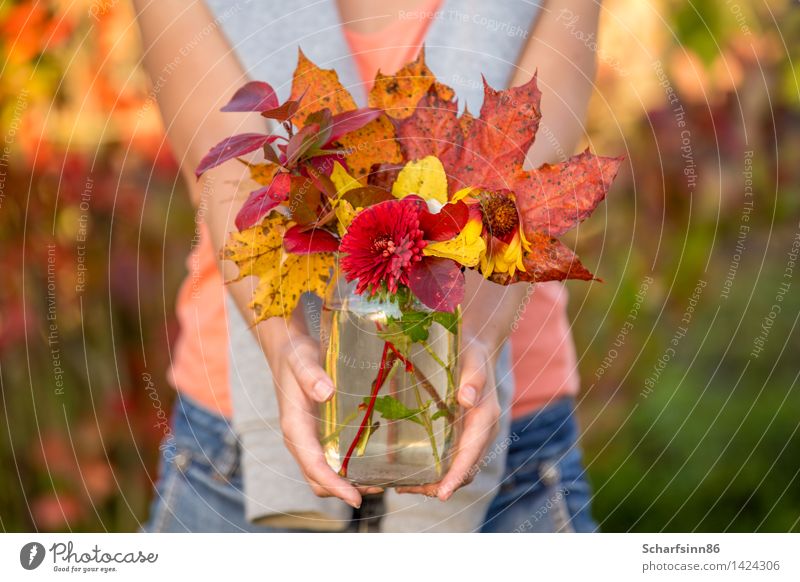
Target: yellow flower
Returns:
[506, 244]
[467, 248]
[426, 178]
[505, 257]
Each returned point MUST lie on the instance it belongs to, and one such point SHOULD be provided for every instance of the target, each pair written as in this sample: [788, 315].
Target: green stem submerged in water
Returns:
[391, 355]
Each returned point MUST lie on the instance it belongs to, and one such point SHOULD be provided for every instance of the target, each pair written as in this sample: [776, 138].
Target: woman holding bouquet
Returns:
[225, 466]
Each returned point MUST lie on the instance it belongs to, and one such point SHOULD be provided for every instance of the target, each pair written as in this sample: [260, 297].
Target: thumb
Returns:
[310, 376]
[473, 376]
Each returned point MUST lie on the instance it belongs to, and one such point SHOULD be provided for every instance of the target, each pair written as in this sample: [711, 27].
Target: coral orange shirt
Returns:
[542, 347]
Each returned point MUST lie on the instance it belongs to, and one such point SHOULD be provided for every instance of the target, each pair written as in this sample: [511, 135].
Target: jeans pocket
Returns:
[533, 500]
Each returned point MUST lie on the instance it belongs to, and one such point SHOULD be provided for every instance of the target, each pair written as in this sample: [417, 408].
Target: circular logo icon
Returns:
[31, 555]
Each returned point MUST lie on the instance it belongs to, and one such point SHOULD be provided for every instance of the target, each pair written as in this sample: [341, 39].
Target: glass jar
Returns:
[393, 417]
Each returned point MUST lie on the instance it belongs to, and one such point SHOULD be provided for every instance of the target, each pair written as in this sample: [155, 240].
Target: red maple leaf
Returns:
[489, 151]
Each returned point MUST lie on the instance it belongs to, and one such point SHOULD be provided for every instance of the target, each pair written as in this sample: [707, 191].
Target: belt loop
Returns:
[228, 462]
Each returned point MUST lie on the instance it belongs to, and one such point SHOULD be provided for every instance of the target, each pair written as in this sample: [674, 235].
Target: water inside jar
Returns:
[408, 440]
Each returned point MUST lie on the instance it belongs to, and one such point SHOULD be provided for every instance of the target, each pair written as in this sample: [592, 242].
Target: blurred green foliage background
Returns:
[690, 400]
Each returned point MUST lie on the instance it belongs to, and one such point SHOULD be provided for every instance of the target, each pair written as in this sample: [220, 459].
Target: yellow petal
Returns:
[343, 181]
[425, 177]
[509, 259]
[466, 253]
[463, 193]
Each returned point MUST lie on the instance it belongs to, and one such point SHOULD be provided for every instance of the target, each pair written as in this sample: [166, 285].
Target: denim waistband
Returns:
[188, 416]
[547, 431]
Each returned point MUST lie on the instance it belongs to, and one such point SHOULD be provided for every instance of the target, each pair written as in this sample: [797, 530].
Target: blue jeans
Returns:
[544, 488]
[199, 486]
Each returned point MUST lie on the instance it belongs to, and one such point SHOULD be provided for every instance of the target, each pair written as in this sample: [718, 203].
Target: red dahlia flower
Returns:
[382, 244]
[383, 248]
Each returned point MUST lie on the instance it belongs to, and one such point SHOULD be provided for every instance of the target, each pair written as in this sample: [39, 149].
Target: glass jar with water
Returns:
[394, 363]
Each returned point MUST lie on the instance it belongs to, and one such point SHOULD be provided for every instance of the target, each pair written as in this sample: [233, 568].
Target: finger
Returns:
[478, 429]
[428, 490]
[301, 438]
[473, 378]
[369, 490]
[316, 489]
[310, 376]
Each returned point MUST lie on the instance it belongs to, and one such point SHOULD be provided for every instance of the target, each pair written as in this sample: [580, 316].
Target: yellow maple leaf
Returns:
[282, 277]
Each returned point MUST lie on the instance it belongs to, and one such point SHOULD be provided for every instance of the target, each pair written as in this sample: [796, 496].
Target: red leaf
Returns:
[556, 197]
[283, 112]
[232, 147]
[352, 121]
[438, 283]
[316, 240]
[261, 201]
[497, 142]
[445, 224]
[253, 96]
[549, 260]
[304, 200]
[301, 142]
[484, 152]
[318, 170]
[433, 130]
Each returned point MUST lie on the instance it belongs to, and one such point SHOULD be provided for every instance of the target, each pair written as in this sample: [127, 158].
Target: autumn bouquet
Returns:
[380, 210]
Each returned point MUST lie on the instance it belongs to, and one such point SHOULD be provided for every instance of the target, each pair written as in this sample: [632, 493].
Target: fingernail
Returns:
[354, 504]
[322, 390]
[468, 395]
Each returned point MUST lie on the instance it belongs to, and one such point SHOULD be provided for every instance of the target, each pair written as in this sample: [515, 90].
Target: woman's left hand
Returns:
[477, 395]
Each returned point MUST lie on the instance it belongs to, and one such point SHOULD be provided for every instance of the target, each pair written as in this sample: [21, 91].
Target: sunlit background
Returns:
[688, 351]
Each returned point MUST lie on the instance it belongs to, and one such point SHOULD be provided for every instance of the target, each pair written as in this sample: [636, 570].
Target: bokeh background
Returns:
[688, 351]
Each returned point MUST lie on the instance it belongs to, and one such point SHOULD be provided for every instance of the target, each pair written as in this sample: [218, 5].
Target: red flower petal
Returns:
[232, 147]
[253, 96]
[381, 245]
[445, 224]
[316, 240]
[438, 283]
[261, 201]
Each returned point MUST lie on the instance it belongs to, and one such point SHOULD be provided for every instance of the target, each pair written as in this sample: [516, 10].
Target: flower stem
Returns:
[376, 386]
[428, 425]
[350, 418]
[426, 384]
[450, 380]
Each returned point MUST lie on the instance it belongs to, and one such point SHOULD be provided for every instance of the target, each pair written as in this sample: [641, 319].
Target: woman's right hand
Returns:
[300, 386]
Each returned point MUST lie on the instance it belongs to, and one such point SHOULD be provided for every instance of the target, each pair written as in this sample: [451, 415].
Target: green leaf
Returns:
[391, 408]
[439, 414]
[416, 324]
[449, 321]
